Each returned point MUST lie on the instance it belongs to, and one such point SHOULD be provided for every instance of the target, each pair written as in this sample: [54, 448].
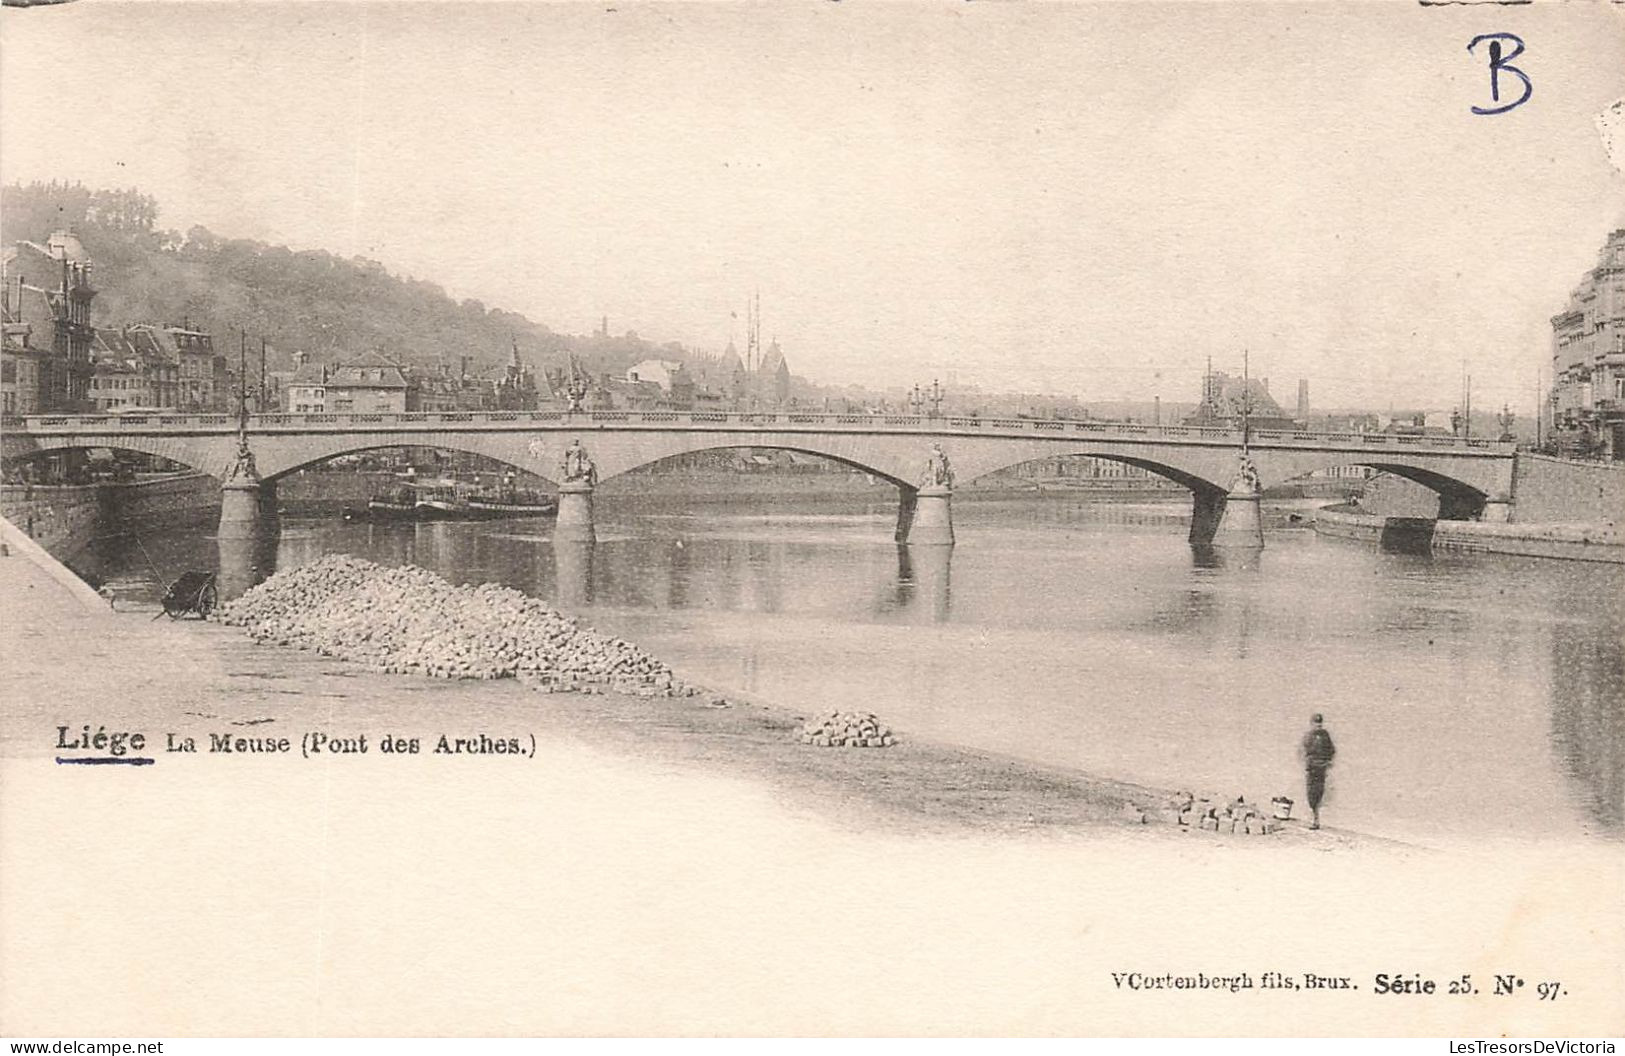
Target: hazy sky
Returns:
[1069, 197]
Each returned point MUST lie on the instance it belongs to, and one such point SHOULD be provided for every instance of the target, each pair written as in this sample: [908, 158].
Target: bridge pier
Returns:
[574, 522]
[933, 517]
[1496, 511]
[244, 561]
[1241, 523]
[241, 509]
[1235, 519]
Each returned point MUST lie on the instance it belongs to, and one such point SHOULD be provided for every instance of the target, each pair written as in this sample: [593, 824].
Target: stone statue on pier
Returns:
[243, 469]
[1246, 480]
[578, 466]
[938, 474]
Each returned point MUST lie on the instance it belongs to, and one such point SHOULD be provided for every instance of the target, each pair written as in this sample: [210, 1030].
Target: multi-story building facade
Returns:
[48, 289]
[132, 370]
[305, 390]
[372, 385]
[21, 367]
[116, 384]
[1588, 360]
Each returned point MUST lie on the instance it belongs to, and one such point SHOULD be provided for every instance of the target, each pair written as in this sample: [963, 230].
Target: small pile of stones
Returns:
[1190, 812]
[847, 729]
[408, 620]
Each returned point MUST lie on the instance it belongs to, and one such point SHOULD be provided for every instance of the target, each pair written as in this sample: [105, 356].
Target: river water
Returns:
[1470, 697]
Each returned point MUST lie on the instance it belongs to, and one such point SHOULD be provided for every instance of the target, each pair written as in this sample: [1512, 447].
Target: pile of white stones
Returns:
[847, 729]
[409, 620]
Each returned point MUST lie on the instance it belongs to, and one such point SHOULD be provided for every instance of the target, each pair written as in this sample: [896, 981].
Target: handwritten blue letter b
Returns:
[1498, 63]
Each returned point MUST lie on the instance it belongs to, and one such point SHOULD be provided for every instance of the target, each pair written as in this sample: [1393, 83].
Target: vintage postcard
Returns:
[812, 519]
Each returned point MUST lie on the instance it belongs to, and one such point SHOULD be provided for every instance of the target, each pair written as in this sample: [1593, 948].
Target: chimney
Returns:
[1303, 398]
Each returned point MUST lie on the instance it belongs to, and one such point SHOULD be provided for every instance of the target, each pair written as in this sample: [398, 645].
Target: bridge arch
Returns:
[894, 459]
[800, 446]
[1202, 471]
[1184, 476]
[1458, 499]
[283, 468]
[277, 457]
[201, 458]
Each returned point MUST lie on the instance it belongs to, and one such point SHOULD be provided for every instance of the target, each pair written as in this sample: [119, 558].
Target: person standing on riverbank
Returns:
[1317, 751]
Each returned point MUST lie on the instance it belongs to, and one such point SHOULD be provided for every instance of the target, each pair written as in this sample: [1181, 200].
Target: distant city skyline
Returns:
[1079, 200]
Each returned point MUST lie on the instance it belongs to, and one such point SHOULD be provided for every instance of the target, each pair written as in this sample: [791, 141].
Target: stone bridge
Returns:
[1472, 476]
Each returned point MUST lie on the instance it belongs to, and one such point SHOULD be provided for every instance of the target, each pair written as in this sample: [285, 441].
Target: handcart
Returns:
[193, 592]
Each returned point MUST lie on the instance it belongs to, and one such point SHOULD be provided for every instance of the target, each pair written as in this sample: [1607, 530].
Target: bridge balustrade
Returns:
[283, 422]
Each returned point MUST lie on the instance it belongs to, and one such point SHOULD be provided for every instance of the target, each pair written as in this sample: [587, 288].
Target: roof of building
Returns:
[366, 376]
[31, 261]
[166, 341]
[15, 337]
[109, 344]
[115, 366]
[1230, 395]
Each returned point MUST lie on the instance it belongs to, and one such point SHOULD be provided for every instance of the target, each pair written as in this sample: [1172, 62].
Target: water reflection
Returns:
[924, 580]
[1588, 712]
[572, 572]
[1467, 695]
[1238, 558]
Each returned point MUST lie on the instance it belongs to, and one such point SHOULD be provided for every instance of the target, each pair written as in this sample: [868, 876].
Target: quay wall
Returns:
[1546, 489]
[1571, 542]
[62, 519]
[1386, 495]
[190, 499]
[65, 519]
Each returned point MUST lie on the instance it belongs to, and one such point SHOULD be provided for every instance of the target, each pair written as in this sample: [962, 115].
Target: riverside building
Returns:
[1587, 397]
